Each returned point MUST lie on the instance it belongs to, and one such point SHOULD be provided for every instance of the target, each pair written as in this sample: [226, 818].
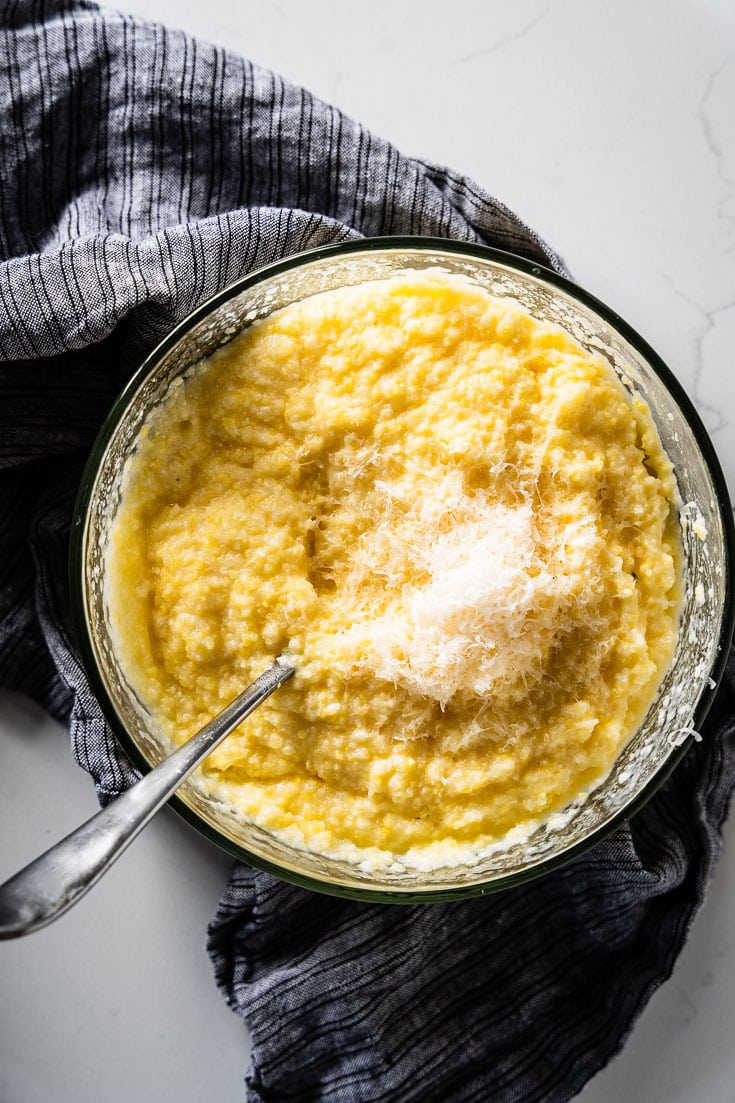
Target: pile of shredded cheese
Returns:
[480, 592]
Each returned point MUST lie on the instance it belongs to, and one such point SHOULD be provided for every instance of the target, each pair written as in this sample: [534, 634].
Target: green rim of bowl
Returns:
[418, 245]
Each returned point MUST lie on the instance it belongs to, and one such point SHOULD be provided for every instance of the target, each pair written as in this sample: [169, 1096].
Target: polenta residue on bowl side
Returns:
[458, 524]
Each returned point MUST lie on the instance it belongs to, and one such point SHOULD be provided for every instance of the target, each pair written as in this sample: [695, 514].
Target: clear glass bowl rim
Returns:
[419, 245]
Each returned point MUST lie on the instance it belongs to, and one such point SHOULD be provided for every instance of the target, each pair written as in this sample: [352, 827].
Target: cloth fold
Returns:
[142, 171]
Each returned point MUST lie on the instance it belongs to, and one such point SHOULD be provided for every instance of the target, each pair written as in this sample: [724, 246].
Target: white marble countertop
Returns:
[609, 128]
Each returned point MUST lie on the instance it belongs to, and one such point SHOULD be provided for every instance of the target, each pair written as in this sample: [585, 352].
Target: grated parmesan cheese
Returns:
[495, 595]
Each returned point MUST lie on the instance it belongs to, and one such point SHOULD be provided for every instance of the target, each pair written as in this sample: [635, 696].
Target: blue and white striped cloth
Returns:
[142, 171]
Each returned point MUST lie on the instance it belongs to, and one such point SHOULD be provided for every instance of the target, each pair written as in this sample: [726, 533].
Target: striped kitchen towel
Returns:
[142, 171]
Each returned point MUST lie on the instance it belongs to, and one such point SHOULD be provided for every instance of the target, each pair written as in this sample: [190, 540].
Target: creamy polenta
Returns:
[454, 520]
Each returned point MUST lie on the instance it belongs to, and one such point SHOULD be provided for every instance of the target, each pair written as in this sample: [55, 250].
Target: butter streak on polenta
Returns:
[457, 523]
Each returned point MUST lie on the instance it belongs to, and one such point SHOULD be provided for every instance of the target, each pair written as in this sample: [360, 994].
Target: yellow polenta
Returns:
[456, 522]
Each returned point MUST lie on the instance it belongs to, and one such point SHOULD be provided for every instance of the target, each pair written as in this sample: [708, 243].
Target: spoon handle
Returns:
[51, 884]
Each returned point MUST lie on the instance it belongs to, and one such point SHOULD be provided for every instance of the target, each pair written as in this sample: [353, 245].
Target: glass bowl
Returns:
[706, 621]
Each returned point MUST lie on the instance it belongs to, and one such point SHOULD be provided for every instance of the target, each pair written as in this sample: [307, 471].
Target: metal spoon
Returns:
[51, 884]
